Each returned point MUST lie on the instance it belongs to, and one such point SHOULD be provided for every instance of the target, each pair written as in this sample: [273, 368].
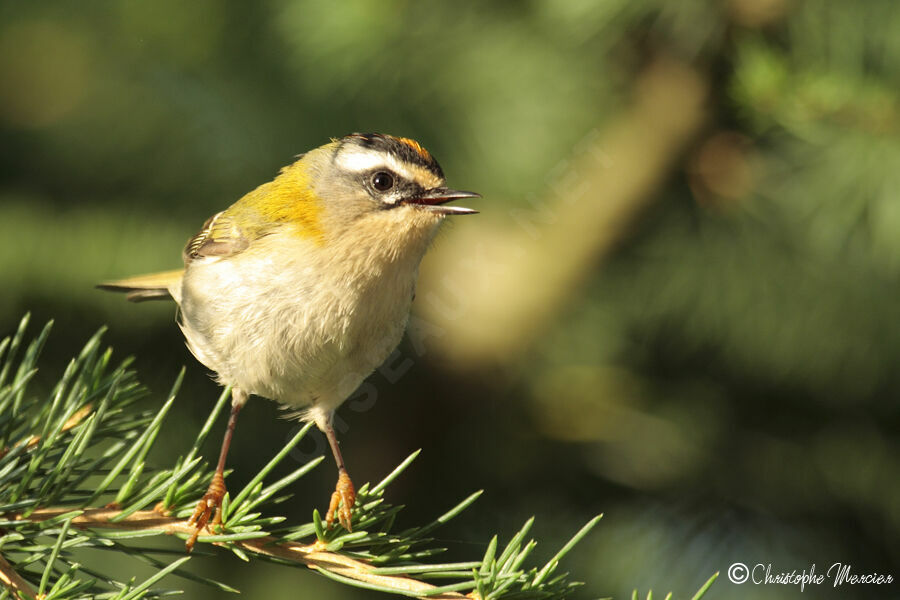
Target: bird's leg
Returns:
[211, 503]
[344, 495]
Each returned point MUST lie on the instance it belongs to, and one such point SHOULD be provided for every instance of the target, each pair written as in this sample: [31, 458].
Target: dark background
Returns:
[679, 306]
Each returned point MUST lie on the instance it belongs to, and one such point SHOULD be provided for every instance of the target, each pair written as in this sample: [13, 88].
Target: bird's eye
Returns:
[382, 181]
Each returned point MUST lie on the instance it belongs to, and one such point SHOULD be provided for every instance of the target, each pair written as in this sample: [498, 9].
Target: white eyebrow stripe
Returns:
[366, 160]
[361, 160]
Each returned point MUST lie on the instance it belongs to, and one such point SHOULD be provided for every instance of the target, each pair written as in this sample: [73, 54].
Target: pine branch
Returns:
[13, 581]
[312, 555]
[73, 474]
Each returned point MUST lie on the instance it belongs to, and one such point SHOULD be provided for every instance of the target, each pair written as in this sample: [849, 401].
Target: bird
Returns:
[303, 287]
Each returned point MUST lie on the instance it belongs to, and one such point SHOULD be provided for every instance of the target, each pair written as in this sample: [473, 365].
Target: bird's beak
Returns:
[435, 199]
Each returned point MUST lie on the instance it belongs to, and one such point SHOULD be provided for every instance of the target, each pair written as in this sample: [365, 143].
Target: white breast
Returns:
[298, 322]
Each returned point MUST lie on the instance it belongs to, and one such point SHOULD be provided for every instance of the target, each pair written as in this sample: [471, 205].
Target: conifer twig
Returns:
[85, 444]
[13, 581]
[71, 422]
[312, 555]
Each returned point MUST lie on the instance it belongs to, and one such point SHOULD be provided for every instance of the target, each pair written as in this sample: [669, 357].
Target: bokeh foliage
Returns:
[721, 381]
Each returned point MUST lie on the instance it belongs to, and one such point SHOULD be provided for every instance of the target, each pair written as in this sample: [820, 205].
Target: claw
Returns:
[209, 505]
[342, 500]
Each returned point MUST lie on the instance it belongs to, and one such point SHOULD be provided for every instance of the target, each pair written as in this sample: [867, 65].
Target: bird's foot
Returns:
[342, 500]
[209, 506]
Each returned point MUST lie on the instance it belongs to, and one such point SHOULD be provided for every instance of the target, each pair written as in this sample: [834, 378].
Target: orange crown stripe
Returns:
[416, 146]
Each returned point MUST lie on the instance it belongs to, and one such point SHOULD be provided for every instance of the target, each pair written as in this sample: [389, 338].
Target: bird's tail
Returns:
[155, 286]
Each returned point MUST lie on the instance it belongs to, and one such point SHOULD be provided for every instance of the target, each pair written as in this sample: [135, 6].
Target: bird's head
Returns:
[371, 180]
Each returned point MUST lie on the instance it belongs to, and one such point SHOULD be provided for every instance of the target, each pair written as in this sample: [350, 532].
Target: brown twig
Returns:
[72, 421]
[10, 579]
[13, 581]
[311, 555]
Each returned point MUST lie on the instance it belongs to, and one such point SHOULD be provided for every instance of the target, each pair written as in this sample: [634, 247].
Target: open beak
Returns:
[435, 200]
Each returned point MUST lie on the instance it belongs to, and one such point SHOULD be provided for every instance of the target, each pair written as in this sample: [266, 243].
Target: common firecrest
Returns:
[300, 289]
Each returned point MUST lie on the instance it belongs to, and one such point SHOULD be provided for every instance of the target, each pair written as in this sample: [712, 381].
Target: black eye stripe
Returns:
[400, 188]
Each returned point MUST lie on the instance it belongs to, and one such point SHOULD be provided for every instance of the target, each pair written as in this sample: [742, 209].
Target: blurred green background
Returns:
[679, 306]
